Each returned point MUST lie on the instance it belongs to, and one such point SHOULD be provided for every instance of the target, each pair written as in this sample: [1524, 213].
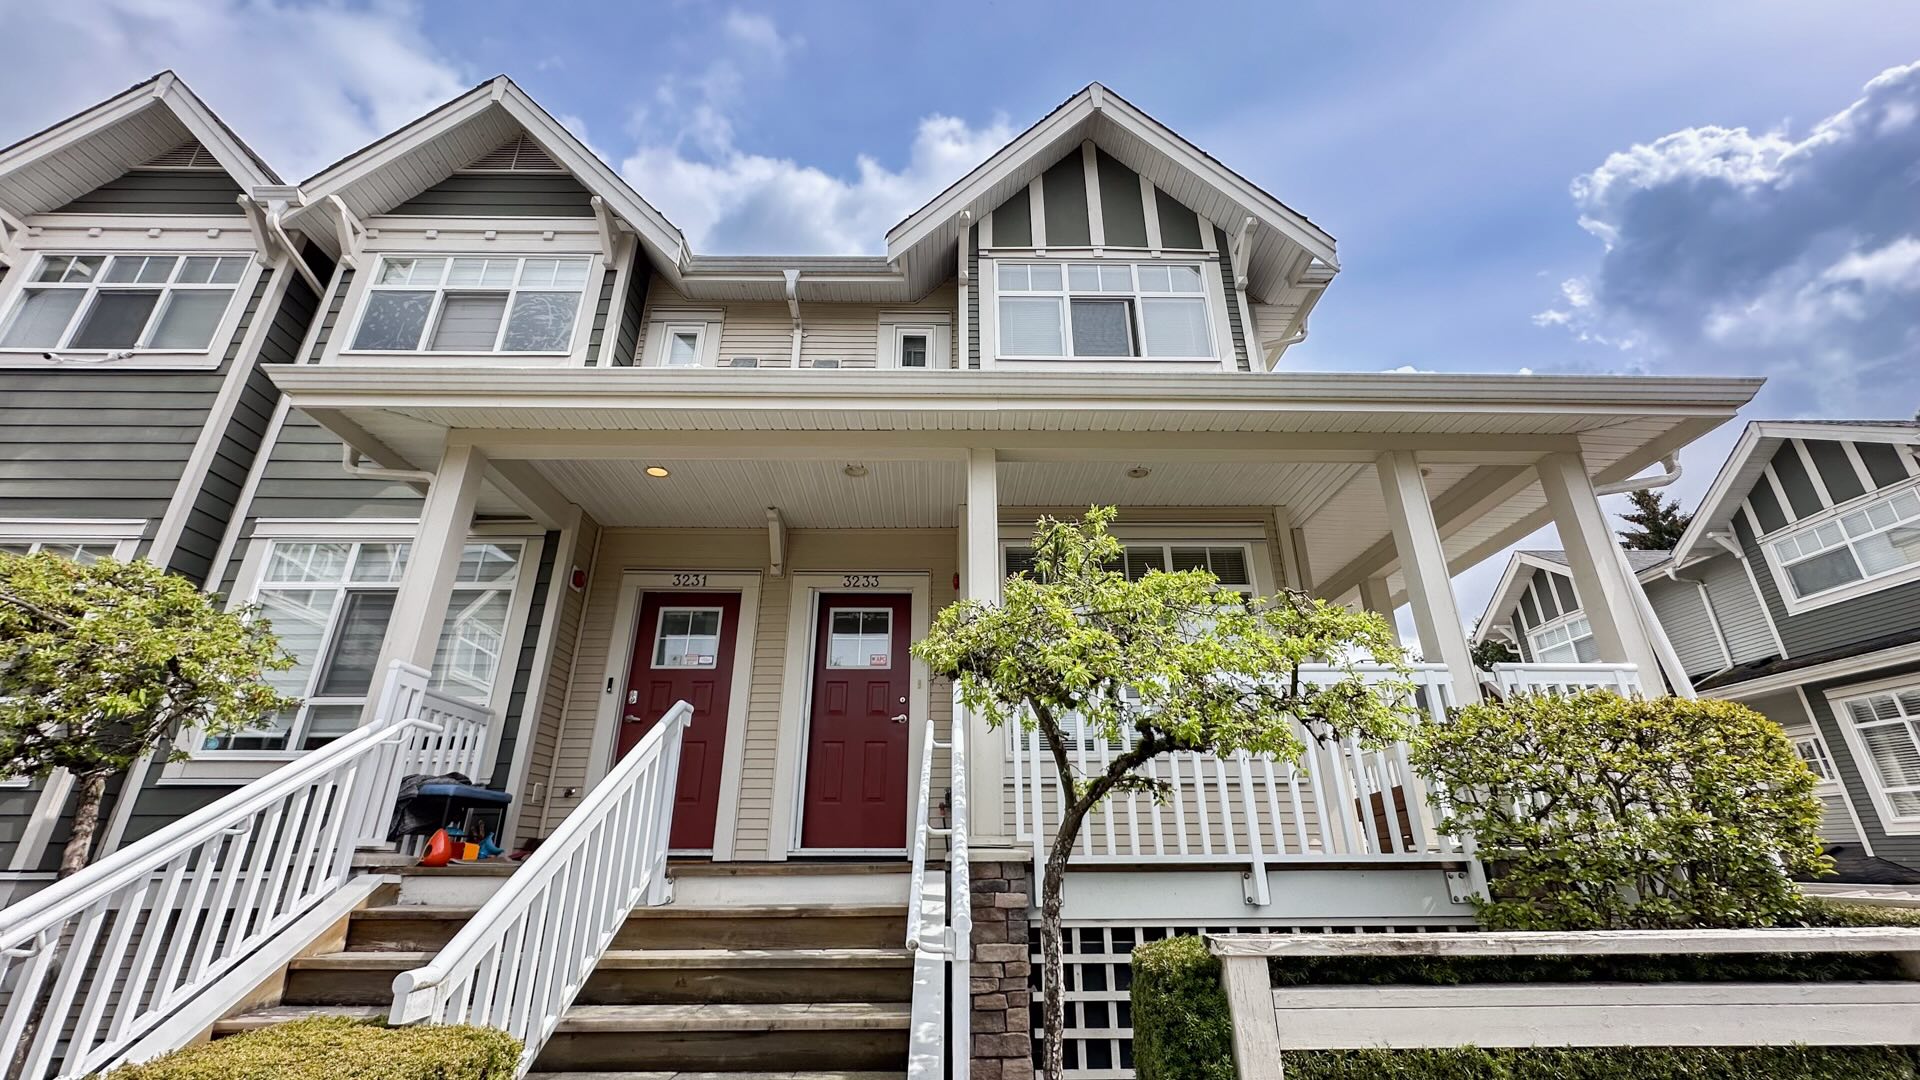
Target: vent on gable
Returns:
[188, 155]
[520, 155]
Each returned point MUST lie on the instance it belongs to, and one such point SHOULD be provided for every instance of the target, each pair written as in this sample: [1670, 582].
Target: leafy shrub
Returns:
[1597, 811]
[1611, 1063]
[1690, 968]
[1181, 1027]
[338, 1048]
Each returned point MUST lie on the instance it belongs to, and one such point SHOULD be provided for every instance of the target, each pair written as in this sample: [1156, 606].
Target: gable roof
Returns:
[391, 169]
[1287, 250]
[60, 163]
[1514, 582]
[1755, 448]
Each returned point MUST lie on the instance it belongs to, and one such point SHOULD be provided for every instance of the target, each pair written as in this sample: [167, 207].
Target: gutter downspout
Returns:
[1650, 622]
[793, 309]
[351, 461]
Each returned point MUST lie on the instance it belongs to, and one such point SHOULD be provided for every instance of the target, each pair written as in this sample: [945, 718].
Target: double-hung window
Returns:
[472, 304]
[1886, 731]
[329, 602]
[123, 302]
[83, 552]
[1097, 310]
[1567, 640]
[1877, 538]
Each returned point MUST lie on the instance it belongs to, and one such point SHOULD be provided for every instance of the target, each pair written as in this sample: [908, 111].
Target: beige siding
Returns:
[849, 333]
[553, 701]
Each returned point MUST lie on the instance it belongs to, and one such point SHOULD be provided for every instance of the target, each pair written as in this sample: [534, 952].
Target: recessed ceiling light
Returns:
[657, 471]
[855, 471]
[1139, 472]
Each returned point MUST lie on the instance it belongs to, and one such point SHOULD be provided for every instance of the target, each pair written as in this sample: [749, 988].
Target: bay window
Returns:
[1155, 310]
[1875, 539]
[123, 302]
[329, 602]
[472, 304]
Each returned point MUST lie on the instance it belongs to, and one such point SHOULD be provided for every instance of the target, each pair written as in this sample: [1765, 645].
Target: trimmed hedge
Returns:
[1617, 1063]
[1181, 1027]
[339, 1048]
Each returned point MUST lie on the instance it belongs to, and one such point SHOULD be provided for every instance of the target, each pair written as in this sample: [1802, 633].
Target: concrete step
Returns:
[422, 928]
[646, 976]
[730, 1038]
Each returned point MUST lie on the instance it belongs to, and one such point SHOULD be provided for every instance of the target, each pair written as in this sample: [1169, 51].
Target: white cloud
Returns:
[1742, 252]
[1408, 369]
[303, 83]
[728, 199]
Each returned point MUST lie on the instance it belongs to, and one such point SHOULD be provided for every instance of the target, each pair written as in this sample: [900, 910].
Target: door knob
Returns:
[901, 719]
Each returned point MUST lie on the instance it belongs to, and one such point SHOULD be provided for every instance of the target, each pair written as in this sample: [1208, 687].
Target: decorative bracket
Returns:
[1241, 244]
[350, 231]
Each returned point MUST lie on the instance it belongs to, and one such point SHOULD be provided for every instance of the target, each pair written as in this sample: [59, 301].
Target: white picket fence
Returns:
[94, 962]
[523, 957]
[1269, 1020]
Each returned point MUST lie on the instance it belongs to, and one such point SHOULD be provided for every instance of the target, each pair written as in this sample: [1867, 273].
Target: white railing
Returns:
[942, 1011]
[523, 957]
[1343, 803]
[1566, 678]
[94, 962]
[455, 741]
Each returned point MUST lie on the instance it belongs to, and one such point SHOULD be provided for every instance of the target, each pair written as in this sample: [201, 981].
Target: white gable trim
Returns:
[1512, 584]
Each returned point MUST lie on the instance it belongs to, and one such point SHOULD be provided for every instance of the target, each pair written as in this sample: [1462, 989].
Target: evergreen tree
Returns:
[1657, 522]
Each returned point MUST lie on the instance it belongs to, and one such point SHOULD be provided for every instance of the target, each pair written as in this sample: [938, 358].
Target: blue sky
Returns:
[1709, 188]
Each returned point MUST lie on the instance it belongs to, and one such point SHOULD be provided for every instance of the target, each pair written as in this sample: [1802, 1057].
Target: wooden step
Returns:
[281, 1014]
[715, 1076]
[730, 1038]
[418, 928]
[646, 976]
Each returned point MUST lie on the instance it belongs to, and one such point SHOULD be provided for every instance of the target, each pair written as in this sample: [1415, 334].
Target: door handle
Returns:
[901, 719]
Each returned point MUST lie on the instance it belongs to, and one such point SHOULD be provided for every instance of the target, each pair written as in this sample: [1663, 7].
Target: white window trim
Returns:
[1812, 735]
[365, 284]
[241, 766]
[660, 626]
[1213, 293]
[662, 323]
[13, 288]
[937, 326]
[1837, 698]
[123, 534]
[1853, 590]
[1561, 622]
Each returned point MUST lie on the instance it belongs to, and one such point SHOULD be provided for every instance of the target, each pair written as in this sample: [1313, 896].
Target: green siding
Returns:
[1121, 213]
[200, 192]
[1801, 497]
[1242, 354]
[331, 320]
[523, 673]
[1854, 774]
[1835, 626]
[1013, 221]
[501, 195]
[626, 345]
[973, 298]
[597, 332]
[303, 479]
[1065, 188]
[1883, 463]
[1836, 469]
[1179, 226]
[1767, 507]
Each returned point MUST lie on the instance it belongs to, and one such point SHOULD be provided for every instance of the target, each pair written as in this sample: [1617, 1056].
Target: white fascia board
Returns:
[233, 155]
[1718, 493]
[162, 91]
[80, 126]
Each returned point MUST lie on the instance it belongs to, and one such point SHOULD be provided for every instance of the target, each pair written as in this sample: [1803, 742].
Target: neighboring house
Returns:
[531, 441]
[1797, 591]
[141, 290]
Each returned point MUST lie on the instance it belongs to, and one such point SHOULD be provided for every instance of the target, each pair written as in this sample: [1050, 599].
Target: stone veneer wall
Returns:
[1002, 1018]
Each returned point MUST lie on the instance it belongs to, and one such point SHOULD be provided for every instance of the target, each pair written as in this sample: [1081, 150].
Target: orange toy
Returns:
[439, 849]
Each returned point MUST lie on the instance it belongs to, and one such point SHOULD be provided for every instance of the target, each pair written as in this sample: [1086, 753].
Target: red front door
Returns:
[856, 782]
[683, 651]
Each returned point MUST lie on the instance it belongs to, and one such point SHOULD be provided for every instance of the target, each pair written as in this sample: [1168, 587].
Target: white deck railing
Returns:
[941, 1040]
[456, 738]
[1342, 804]
[523, 957]
[94, 962]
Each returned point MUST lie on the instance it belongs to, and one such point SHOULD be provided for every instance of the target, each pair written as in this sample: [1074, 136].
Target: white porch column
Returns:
[1600, 576]
[1423, 562]
[1377, 597]
[426, 587]
[980, 577]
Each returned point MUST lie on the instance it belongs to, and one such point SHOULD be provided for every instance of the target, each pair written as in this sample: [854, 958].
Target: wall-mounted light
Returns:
[1139, 472]
[855, 471]
[658, 471]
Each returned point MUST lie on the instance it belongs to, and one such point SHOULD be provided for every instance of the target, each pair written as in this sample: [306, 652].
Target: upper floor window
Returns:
[472, 304]
[83, 552]
[1104, 309]
[1876, 538]
[123, 302]
[329, 601]
[1814, 753]
[1228, 563]
[1565, 641]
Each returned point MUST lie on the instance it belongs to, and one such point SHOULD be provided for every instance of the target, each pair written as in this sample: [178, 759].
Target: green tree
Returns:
[1601, 812]
[1491, 651]
[1168, 662]
[100, 663]
[1657, 523]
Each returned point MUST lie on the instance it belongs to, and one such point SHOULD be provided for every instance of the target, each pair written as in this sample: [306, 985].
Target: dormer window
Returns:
[1156, 310]
[123, 303]
[472, 304]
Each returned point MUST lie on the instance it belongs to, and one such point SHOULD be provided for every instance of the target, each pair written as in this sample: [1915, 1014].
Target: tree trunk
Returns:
[1053, 1014]
[86, 822]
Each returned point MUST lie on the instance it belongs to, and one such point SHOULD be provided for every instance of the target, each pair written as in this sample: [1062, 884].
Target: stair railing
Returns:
[522, 959]
[95, 961]
[942, 1008]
